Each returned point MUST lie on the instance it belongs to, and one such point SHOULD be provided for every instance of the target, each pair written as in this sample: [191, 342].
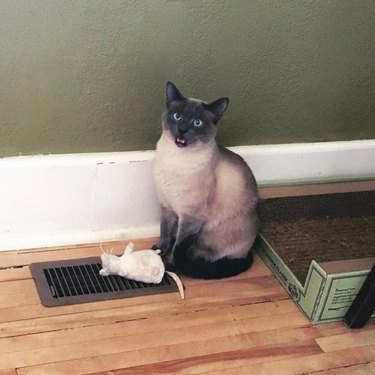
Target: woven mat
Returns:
[321, 228]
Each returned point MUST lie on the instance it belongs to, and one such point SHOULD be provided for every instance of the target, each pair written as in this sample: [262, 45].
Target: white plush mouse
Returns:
[143, 265]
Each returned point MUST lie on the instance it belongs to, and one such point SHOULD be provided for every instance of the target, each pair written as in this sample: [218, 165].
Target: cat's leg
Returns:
[188, 227]
[168, 231]
[186, 260]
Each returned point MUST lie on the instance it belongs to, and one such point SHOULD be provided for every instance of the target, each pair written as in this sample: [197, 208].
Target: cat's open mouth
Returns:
[181, 141]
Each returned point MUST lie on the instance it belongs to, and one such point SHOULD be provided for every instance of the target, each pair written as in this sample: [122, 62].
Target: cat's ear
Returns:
[218, 107]
[173, 94]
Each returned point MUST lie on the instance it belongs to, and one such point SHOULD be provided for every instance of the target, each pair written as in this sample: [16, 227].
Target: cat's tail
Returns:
[203, 269]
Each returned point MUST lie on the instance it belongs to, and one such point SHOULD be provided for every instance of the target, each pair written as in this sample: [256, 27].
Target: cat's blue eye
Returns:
[177, 116]
[198, 123]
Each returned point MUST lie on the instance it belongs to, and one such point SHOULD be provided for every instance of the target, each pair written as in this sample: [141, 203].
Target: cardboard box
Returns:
[329, 288]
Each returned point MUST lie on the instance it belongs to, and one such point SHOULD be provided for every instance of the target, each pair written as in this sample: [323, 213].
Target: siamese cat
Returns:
[208, 194]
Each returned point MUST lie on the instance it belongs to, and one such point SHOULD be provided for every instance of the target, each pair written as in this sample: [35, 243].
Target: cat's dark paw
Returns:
[171, 268]
[167, 258]
[155, 247]
[168, 262]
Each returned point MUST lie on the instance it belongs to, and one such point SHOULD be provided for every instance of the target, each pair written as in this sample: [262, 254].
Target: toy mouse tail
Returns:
[178, 282]
[203, 269]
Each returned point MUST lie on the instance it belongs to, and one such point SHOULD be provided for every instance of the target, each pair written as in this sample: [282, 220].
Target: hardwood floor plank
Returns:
[32, 311]
[18, 327]
[221, 361]
[8, 372]
[114, 354]
[111, 361]
[12, 274]
[116, 324]
[20, 313]
[362, 369]
[316, 364]
[349, 340]
[18, 293]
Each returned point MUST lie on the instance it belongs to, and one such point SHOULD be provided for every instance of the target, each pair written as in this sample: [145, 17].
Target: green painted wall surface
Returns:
[89, 75]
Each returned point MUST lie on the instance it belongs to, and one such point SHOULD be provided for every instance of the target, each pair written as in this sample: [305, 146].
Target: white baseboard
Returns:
[80, 198]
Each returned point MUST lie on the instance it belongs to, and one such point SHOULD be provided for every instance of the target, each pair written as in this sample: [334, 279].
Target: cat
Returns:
[208, 194]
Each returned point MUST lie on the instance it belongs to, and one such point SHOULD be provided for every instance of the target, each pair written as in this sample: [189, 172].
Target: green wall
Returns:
[89, 75]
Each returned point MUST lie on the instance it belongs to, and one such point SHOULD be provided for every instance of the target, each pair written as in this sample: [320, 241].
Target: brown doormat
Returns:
[322, 228]
[75, 281]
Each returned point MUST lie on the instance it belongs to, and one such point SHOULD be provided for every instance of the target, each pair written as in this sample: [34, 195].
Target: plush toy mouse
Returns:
[143, 265]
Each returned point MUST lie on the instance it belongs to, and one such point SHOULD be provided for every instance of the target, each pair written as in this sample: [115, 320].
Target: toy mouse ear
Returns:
[129, 248]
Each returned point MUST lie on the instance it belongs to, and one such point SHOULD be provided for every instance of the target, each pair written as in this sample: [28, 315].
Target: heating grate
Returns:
[77, 281]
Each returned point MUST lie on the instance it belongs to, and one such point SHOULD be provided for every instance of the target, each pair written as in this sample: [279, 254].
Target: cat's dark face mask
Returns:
[188, 121]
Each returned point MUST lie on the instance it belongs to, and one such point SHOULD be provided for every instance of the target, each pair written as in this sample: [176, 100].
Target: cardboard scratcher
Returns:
[320, 247]
[76, 281]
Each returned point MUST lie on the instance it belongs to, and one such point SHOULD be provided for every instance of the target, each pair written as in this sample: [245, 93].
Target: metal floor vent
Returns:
[75, 281]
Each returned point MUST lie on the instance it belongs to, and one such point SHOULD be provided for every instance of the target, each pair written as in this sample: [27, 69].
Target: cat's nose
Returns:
[183, 128]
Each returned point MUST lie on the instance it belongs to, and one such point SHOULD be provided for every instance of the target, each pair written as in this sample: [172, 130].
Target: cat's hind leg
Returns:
[186, 261]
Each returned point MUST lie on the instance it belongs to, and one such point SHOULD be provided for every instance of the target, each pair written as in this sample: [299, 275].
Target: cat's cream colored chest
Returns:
[183, 179]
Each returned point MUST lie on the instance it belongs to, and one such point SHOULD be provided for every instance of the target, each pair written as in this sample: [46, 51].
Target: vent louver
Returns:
[77, 281]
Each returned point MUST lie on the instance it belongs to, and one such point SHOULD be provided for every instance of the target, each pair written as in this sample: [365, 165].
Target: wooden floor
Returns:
[243, 325]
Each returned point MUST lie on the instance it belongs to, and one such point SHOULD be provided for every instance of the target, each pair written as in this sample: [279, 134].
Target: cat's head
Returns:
[190, 121]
